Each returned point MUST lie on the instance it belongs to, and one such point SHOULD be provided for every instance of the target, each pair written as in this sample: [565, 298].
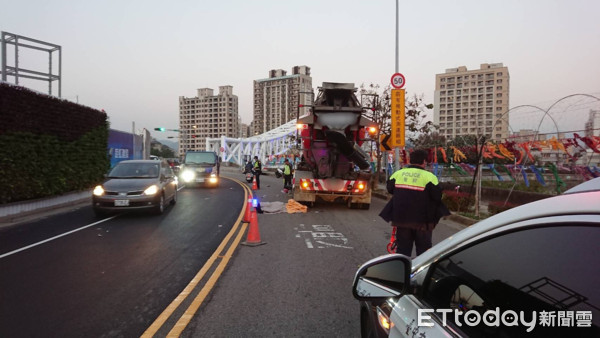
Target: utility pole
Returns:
[479, 152]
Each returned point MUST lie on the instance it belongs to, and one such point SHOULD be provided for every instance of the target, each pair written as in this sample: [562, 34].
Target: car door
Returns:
[167, 177]
[538, 278]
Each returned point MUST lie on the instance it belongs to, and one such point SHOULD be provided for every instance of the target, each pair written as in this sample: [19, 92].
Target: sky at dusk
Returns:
[135, 58]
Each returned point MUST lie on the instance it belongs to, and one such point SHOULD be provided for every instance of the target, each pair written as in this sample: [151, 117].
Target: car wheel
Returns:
[366, 329]
[160, 207]
[174, 200]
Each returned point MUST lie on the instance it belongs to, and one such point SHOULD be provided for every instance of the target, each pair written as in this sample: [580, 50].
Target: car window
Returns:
[550, 270]
[200, 158]
[134, 170]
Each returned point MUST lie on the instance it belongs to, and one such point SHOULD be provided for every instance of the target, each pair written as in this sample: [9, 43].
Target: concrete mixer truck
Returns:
[333, 166]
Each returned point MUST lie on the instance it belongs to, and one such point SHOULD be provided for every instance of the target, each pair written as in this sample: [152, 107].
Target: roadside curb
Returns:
[11, 212]
[462, 219]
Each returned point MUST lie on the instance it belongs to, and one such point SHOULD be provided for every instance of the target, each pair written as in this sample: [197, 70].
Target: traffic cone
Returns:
[253, 237]
[254, 186]
[248, 213]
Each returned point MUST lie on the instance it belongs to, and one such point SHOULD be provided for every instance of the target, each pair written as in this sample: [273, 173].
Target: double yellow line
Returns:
[185, 319]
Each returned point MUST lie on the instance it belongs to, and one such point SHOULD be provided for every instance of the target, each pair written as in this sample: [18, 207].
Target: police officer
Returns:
[257, 169]
[287, 175]
[416, 206]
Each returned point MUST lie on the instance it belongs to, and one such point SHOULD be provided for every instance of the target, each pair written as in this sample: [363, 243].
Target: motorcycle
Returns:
[249, 177]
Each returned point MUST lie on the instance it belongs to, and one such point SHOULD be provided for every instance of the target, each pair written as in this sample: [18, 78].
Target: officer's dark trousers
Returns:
[405, 238]
[287, 181]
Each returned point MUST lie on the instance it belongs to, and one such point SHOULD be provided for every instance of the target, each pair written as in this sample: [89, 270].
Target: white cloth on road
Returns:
[272, 207]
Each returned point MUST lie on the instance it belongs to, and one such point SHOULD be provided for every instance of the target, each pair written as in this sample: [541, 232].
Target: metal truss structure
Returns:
[17, 71]
[237, 150]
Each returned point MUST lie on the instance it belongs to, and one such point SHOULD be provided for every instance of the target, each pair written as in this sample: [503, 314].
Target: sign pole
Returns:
[397, 70]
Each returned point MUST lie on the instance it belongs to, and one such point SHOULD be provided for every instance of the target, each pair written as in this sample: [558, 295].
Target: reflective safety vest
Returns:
[417, 197]
[286, 169]
[413, 179]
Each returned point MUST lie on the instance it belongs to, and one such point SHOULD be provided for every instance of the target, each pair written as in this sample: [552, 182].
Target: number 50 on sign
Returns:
[398, 80]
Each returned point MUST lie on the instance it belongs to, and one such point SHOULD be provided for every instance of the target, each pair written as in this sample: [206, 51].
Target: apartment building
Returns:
[244, 129]
[592, 126]
[207, 116]
[473, 102]
[277, 98]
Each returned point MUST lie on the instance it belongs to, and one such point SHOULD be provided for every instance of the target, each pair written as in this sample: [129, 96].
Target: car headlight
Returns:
[152, 190]
[98, 191]
[188, 176]
[213, 178]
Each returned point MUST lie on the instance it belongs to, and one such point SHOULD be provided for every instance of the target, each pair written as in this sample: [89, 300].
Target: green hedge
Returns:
[35, 166]
[457, 201]
[48, 146]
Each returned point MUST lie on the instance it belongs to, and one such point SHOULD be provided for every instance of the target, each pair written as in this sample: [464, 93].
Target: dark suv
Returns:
[200, 168]
[530, 271]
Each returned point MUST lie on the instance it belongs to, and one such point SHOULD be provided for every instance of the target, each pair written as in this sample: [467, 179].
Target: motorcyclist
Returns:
[248, 167]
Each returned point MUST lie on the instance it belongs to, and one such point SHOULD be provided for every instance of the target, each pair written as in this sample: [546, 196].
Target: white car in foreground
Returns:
[531, 271]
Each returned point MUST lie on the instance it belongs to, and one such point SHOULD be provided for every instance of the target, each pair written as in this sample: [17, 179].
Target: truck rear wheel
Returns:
[364, 206]
[309, 204]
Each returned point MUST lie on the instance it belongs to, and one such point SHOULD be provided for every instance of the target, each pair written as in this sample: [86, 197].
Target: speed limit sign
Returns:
[398, 81]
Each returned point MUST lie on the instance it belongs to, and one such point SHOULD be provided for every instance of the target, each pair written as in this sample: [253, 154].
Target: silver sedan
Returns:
[135, 185]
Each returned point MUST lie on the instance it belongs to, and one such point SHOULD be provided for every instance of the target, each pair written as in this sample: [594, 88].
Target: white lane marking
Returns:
[334, 245]
[55, 237]
[323, 234]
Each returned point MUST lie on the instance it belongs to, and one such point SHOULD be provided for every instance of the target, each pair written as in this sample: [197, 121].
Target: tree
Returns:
[378, 113]
[416, 123]
[378, 104]
[162, 151]
[429, 140]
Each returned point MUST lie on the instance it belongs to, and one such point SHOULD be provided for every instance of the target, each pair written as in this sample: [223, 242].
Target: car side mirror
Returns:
[382, 277]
